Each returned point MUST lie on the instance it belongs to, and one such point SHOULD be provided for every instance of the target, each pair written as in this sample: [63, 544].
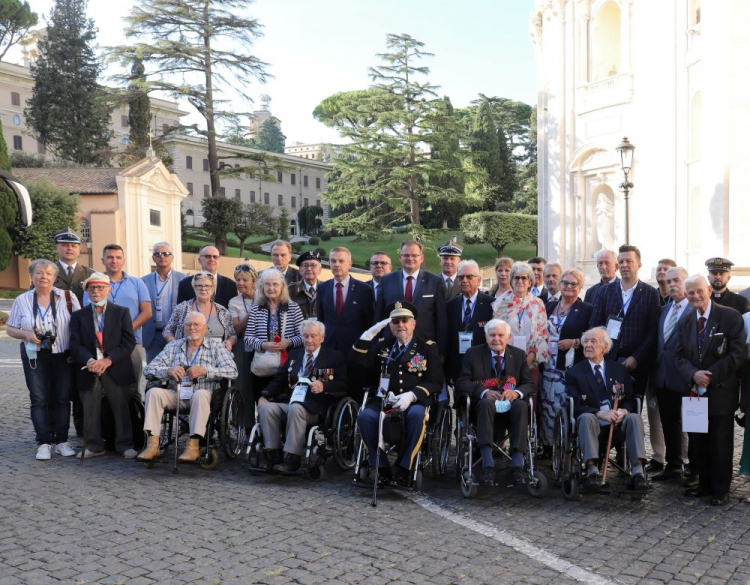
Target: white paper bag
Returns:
[694, 415]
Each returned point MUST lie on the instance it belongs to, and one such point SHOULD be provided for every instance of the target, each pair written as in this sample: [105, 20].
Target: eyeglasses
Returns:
[398, 320]
[204, 286]
[569, 283]
[520, 278]
[379, 263]
[162, 254]
[96, 287]
[466, 276]
[211, 256]
[309, 266]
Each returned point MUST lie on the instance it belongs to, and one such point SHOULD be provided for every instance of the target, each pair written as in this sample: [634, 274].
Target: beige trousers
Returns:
[157, 399]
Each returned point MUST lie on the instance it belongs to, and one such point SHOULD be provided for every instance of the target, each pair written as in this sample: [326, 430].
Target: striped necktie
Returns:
[671, 323]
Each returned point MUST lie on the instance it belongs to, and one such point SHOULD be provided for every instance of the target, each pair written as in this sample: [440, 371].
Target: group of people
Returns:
[293, 343]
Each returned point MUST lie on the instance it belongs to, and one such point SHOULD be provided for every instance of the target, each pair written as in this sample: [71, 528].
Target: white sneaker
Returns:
[64, 449]
[44, 452]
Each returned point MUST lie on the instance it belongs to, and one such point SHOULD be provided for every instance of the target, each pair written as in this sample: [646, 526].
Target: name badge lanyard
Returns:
[187, 356]
[624, 310]
[41, 316]
[561, 316]
[210, 312]
[520, 318]
[116, 290]
[393, 359]
[244, 304]
[466, 322]
[161, 290]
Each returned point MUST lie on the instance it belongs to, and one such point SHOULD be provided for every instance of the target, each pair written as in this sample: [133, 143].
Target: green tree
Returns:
[54, 209]
[219, 216]
[16, 19]
[255, 219]
[236, 134]
[8, 209]
[499, 229]
[269, 137]
[307, 220]
[283, 223]
[486, 161]
[68, 110]
[139, 108]
[195, 50]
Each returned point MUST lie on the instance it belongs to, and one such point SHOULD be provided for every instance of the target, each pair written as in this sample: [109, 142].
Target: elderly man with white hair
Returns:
[591, 384]
[497, 377]
[299, 395]
[194, 365]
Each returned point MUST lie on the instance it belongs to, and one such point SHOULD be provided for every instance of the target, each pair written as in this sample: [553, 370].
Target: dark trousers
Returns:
[250, 400]
[118, 398]
[517, 419]
[48, 381]
[369, 427]
[670, 414]
[711, 454]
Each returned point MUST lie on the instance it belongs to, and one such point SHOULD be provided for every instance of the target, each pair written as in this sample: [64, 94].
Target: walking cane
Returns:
[176, 430]
[618, 391]
[97, 385]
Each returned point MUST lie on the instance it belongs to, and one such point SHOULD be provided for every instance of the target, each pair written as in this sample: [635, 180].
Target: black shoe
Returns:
[653, 466]
[402, 476]
[691, 481]
[666, 474]
[696, 492]
[544, 452]
[720, 501]
[686, 471]
[594, 483]
[488, 476]
[291, 464]
[519, 477]
[638, 483]
[273, 458]
[385, 476]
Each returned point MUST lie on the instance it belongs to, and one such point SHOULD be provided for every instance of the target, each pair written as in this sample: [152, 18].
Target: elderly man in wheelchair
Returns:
[194, 366]
[298, 396]
[596, 385]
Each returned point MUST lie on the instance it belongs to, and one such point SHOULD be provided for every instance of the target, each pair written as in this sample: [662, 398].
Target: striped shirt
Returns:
[22, 317]
[217, 359]
[257, 330]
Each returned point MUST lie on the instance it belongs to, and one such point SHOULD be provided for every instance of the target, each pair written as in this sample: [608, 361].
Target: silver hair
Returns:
[552, 265]
[193, 314]
[307, 323]
[162, 245]
[577, 274]
[605, 336]
[493, 323]
[697, 278]
[679, 269]
[522, 268]
[42, 262]
[202, 275]
[472, 263]
[268, 274]
[602, 253]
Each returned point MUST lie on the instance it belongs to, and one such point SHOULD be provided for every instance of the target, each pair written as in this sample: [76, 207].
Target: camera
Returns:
[46, 341]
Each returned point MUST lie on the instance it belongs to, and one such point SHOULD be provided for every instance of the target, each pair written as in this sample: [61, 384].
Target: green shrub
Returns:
[321, 251]
[325, 236]
[191, 248]
[256, 249]
[296, 246]
[313, 241]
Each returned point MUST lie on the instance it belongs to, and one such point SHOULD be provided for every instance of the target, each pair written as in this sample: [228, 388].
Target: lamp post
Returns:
[626, 149]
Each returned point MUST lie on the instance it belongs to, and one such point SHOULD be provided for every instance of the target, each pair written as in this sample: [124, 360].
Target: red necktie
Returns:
[339, 299]
[407, 293]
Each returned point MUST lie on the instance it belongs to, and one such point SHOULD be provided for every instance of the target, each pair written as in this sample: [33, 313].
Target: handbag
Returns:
[266, 363]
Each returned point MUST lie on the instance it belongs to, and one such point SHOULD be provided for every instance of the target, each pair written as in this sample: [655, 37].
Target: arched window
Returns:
[605, 42]
[695, 126]
[85, 230]
[190, 218]
[694, 17]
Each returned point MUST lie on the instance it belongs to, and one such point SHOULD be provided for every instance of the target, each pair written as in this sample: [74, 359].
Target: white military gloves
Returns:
[370, 334]
[404, 401]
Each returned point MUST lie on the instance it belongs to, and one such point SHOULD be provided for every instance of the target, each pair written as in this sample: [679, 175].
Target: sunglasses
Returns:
[245, 268]
[211, 256]
[379, 263]
[162, 254]
[398, 320]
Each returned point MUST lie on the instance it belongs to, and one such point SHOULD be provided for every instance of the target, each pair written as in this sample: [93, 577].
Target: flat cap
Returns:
[309, 255]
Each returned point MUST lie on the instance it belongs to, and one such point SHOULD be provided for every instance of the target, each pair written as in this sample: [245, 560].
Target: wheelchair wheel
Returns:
[232, 423]
[345, 433]
[208, 459]
[254, 448]
[459, 444]
[316, 472]
[570, 486]
[537, 486]
[561, 445]
[469, 484]
[418, 481]
[441, 442]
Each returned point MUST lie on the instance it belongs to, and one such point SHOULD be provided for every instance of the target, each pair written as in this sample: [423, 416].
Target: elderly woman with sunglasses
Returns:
[217, 317]
[245, 277]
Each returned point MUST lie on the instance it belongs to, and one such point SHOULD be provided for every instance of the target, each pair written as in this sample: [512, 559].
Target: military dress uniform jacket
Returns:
[418, 370]
[298, 295]
[731, 300]
[329, 367]
[74, 284]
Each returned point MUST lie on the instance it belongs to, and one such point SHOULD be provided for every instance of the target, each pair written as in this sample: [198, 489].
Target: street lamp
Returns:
[626, 149]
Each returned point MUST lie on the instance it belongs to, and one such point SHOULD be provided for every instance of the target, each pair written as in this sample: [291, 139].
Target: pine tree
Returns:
[488, 159]
[139, 108]
[269, 137]
[68, 111]
[8, 209]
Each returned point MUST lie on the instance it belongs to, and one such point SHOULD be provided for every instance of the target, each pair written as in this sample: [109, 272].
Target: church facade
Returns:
[674, 78]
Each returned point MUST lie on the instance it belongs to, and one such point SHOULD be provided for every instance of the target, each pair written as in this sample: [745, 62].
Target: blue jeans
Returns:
[369, 425]
[48, 383]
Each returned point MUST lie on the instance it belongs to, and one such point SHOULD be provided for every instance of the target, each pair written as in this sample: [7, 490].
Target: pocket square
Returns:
[427, 296]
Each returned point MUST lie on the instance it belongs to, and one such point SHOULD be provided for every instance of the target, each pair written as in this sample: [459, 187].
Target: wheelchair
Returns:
[569, 469]
[225, 426]
[335, 438]
[467, 451]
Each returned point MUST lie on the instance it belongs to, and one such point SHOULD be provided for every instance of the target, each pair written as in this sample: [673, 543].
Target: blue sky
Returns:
[316, 49]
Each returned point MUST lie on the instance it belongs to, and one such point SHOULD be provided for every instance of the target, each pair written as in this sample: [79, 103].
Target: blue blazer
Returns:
[639, 326]
[666, 375]
[356, 317]
[581, 386]
[428, 296]
[149, 327]
[481, 314]
[576, 324]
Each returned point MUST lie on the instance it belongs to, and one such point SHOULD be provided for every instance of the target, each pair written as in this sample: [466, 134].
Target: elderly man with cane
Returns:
[196, 365]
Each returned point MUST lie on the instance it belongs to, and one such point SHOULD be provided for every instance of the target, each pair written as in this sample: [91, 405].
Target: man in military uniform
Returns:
[719, 273]
[305, 291]
[70, 276]
[410, 370]
[450, 256]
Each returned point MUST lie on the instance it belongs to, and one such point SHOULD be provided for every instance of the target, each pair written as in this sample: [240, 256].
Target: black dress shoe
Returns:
[666, 474]
[720, 501]
[488, 476]
[696, 492]
[291, 464]
[273, 458]
[686, 471]
[594, 483]
[544, 452]
[653, 466]
[519, 477]
[638, 483]
[402, 476]
[691, 481]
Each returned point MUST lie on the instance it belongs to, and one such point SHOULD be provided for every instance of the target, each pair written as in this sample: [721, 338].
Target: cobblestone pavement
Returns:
[113, 521]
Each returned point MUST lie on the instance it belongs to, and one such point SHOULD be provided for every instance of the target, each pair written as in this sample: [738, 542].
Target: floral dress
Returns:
[526, 318]
[553, 380]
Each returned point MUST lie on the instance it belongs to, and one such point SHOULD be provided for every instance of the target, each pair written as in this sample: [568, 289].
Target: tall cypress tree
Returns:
[68, 110]
[8, 209]
[139, 108]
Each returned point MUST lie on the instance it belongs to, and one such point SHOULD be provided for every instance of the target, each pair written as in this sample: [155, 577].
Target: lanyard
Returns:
[390, 355]
[37, 310]
[116, 290]
[247, 311]
[624, 310]
[561, 316]
[99, 320]
[210, 312]
[156, 285]
[43, 314]
[520, 318]
[195, 355]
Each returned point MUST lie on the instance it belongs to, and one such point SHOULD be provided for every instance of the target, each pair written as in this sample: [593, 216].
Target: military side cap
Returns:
[96, 278]
[67, 236]
[719, 264]
[401, 309]
[450, 248]
[309, 255]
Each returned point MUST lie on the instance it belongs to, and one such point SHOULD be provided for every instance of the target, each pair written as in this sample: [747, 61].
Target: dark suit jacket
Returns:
[638, 331]
[119, 342]
[481, 314]
[477, 367]
[356, 318]
[292, 275]
[226, 289]
[581, 386]
[455, 288]
[75, 284]
[298, 295]
[543, 294]
[666, 375]
[725, 335]
[731, 299]
[329, 367]
[576, 324]
[591, 292]
[428, 296]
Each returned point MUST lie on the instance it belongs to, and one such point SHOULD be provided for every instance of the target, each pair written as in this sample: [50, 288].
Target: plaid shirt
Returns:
[213, 356]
